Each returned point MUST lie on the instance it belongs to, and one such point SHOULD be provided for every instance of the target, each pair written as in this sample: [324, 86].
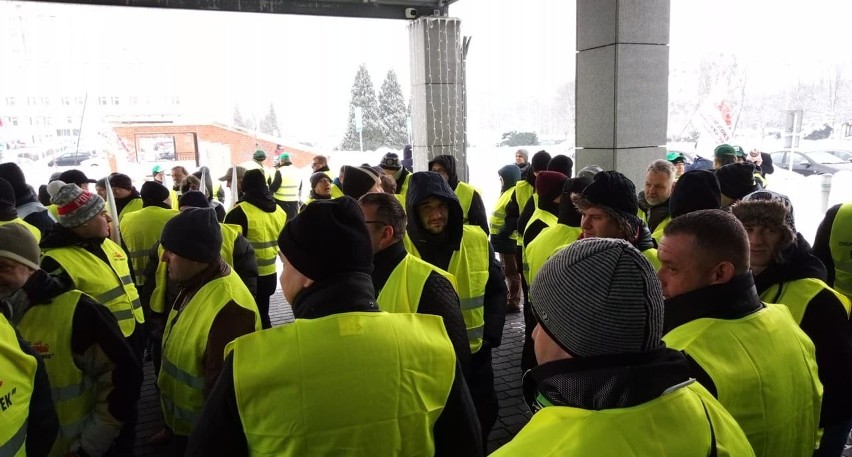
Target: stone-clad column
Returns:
[622, 84]
[437, 91]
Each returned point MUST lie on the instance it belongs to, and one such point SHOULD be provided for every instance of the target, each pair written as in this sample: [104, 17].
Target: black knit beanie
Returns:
[254, 181]
[599, 296]
[358, 180]
[193, 198]
[540, 160]
[561, 163]
[316, 177]
[736, 180]
[121, 181]
[12, 172]
[693, 191]
[328, 238]
[613, 190]
[193, 234]
[153, 193]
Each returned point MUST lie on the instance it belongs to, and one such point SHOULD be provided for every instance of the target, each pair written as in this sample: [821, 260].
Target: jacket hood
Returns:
[511, 174]
[425, 184]
[797, 263]
[449, 164]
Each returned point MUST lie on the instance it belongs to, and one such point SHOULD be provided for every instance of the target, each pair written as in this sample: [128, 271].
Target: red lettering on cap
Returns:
[75, 204]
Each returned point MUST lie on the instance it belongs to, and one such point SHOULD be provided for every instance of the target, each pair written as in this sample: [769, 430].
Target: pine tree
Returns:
[238, 118]
[364, 96]
[269, 124]
[393, 113]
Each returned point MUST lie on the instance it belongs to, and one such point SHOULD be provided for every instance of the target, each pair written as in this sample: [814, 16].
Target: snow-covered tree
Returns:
[269, 124]
[363, 96]
[240, 121]
[393, 113]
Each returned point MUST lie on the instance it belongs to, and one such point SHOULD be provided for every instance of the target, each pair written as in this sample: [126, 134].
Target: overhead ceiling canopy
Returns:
[380, 9]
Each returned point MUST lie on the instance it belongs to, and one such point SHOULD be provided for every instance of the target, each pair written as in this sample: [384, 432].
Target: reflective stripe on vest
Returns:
[644, 429]
[464, 192]
[17, 371]
[157, 302]
[549, 220]
[469, 265]
[263, 231]
[546, 244]
[133, 205]
[498, 218]
[140, 230]
[33, 229]
[288, 191]
[401, 293]
[109, 284]
[401, 365]
[181, 380]
[48, 328]
[797, 295]
[658, 230]
[840, 244]
[774, 395]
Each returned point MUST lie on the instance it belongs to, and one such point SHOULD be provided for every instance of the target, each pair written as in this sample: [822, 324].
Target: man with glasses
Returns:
[406, 284]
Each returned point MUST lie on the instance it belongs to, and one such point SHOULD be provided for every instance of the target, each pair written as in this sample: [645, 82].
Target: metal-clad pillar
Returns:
[622, 84]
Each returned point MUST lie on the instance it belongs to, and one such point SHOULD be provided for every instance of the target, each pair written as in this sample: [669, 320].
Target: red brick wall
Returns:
[242, 145]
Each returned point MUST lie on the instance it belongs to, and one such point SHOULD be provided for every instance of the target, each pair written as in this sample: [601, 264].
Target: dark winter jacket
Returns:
[513, 210]
[825, 322]
[99, 350]
[438, 298]
[476, 214]
[34, 213]
[606, 382]
[822, 250]
[653, 214]
[438, 249]
[219, 431]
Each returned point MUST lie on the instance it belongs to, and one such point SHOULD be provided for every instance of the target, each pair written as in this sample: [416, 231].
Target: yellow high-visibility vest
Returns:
[109, 284]
[17, 371]
[401, 293]
[140, 230]
[469, 265]
[263, 231]
[48, 329]
[360, 384]
[181, 379]
[775, 395]
[840, 245]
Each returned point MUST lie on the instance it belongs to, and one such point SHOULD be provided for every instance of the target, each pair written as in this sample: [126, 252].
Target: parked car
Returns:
[810, 162]
[845, 155]
[70, 159]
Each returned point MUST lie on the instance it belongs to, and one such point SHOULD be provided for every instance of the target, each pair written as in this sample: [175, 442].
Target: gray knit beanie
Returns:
[18, 244]
[74, 205]
[599, 297]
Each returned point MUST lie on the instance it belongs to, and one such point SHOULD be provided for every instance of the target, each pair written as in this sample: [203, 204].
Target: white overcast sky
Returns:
[521, 49]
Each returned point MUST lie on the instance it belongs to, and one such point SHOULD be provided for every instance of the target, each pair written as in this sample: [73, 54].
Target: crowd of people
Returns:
[690, 318]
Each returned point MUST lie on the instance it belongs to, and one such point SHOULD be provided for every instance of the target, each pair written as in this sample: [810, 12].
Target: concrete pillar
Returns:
[437, 91]
[622, 84]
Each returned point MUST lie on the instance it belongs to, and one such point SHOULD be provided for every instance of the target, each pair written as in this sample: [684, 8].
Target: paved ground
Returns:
[507, 380]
